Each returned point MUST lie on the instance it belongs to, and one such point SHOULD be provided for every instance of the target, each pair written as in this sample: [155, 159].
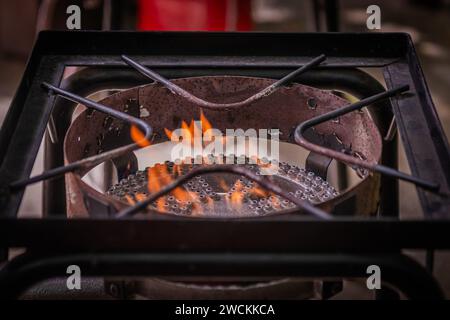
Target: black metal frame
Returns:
[264, 54]
[397, 270]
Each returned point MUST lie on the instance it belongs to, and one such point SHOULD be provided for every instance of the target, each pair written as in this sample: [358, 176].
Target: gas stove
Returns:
[213, 223]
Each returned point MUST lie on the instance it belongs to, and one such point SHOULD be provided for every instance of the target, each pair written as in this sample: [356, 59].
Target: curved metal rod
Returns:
[211, 105]
[265, 182]
[93, 160]
[372, 166]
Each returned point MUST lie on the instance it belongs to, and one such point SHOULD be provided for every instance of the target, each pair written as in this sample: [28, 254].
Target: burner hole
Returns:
[89, 113]
[87, 149]
[312, 103]
[107, 121]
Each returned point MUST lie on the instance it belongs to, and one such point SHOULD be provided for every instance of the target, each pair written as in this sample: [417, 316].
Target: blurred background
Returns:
[427, 21]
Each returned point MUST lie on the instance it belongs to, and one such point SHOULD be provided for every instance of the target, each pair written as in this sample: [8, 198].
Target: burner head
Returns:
[221, 194]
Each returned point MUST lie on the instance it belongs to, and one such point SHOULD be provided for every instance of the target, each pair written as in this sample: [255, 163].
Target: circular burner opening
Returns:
[225, 195]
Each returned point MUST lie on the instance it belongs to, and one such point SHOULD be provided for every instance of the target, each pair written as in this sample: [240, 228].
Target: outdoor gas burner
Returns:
[152, 215]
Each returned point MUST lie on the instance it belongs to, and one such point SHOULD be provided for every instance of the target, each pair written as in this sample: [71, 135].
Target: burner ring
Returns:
[224, 195]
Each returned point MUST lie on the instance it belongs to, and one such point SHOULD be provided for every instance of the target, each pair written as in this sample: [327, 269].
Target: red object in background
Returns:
[194, 15]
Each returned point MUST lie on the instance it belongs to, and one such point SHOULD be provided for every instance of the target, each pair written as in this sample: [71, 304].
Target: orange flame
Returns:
[139, 196]
[159, 175]
[197, 210]
[190, 129]
[168, 133]
[154, 185]
[223, 185]
[130, 200]
[181, 194]
[206, 125]
[138, 137]
[237, 196]
[259, 192]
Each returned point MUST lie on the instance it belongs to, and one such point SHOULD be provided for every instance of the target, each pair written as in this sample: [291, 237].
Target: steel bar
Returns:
[291, 233]
[211, 105]
[398, 271]
[423, 139]
[372, 166]
[264, 182]
[93, 160]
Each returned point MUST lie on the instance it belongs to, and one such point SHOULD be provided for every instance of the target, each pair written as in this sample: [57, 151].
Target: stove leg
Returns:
[389, 202]
[429, 260]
